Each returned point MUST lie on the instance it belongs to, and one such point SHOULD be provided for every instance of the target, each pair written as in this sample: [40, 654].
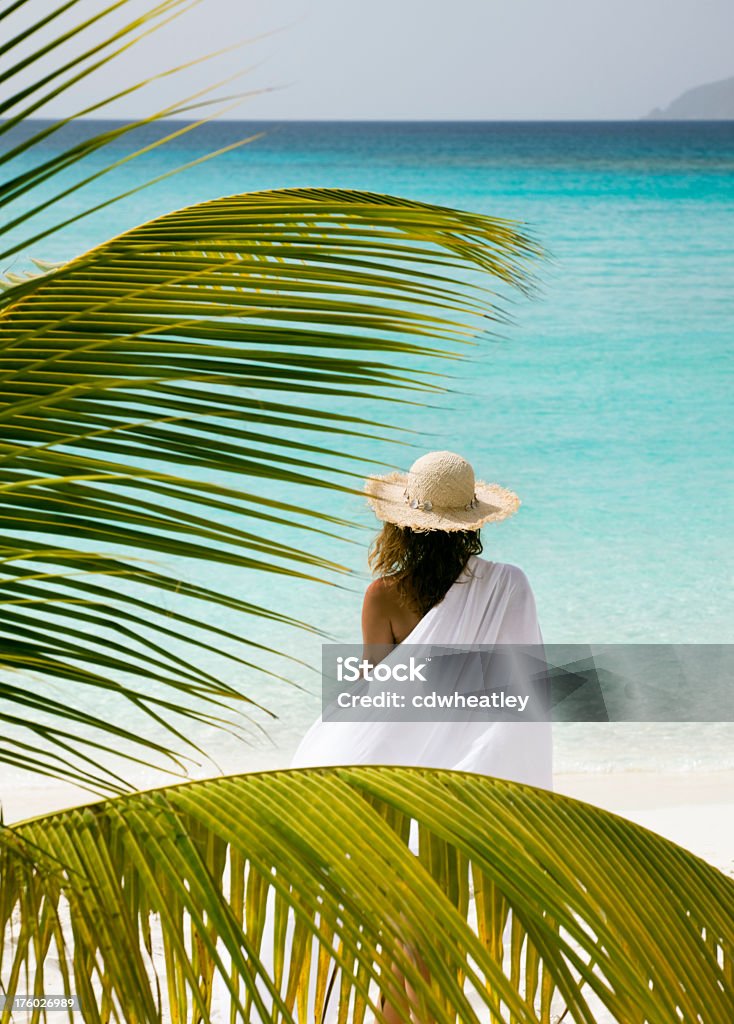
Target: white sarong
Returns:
[491, 603]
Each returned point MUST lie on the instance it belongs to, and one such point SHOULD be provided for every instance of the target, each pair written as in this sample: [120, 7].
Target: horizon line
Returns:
[397, 120]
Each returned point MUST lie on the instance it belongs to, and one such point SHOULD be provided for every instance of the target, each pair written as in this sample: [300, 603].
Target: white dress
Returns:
[491, 603]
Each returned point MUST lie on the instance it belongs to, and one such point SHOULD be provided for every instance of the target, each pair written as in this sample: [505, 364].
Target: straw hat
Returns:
[439, 492]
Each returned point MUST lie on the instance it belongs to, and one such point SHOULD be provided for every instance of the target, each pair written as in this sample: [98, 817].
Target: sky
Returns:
[430, 59]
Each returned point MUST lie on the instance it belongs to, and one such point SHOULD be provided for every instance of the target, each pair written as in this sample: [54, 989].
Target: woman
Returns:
[433, 588]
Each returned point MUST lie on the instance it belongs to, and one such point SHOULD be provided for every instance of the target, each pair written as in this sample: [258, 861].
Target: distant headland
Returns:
[711, 102]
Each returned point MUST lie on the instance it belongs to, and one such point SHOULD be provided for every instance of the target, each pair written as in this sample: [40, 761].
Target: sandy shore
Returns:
[695, 810]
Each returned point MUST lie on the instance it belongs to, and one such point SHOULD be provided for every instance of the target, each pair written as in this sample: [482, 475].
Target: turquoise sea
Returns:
[606, 403]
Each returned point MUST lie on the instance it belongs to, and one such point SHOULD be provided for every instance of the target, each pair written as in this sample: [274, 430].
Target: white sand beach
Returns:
[693, 809]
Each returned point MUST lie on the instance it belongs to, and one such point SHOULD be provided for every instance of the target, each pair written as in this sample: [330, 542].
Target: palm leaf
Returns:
[245, 892]
[196, 349]
[84, 44]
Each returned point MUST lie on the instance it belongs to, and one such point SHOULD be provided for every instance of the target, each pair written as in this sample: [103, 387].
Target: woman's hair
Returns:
[422, 564]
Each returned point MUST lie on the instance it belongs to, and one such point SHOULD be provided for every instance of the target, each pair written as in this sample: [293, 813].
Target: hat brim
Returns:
[386, 496]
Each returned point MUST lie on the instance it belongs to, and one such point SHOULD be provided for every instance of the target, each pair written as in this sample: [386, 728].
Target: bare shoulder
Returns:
[380, 595]
[377, 617]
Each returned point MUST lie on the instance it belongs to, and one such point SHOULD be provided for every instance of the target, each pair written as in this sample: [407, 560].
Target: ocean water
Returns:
[606, 403]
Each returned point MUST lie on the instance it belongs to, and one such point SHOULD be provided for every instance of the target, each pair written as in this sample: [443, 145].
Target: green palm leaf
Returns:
[84, 44]
[250, 891]
[150, 387]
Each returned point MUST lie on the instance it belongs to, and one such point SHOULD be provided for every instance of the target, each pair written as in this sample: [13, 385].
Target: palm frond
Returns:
[83, 45]
[150, 387]
[248, 892]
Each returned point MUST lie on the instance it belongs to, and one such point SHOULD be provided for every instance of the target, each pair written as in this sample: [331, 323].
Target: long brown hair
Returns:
[422, 564]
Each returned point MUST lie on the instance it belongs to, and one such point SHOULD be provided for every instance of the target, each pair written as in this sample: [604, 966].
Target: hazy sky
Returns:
[441, 58]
